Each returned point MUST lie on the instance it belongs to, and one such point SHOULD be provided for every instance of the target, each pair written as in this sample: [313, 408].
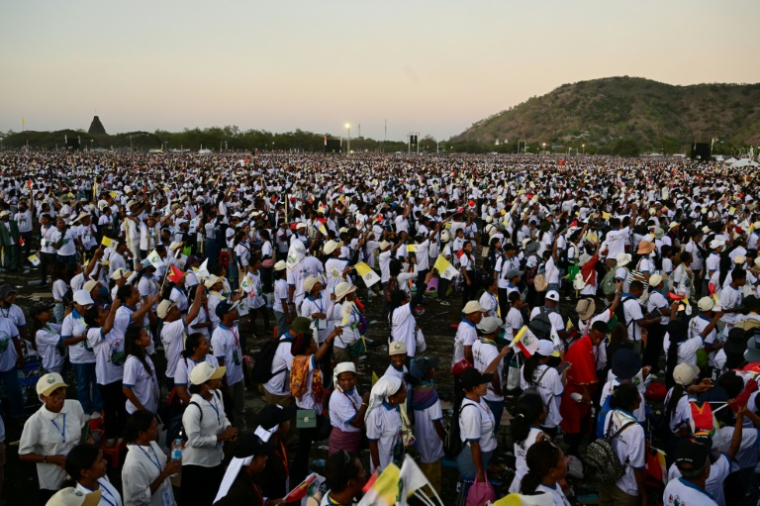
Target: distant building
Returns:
[96, 127]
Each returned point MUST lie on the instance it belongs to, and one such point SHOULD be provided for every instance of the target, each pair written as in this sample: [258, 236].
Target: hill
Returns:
[603, 112]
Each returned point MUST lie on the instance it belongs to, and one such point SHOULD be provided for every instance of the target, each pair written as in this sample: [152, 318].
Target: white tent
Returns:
[744, 162]
[730, 160]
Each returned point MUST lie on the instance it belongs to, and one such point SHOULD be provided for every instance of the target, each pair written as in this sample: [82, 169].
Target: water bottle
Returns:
[177, 452]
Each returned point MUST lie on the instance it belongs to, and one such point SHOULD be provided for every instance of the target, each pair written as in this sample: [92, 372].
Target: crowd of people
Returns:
[609, 314]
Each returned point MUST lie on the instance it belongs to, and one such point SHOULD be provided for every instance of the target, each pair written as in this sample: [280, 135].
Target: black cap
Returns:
[224, 307]
[274, 414]
[472, 378]
[421, 366]
[691, 454]
[250, 445]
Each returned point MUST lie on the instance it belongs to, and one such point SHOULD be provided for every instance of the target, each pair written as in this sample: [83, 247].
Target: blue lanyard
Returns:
[105, 491]
[157, 463]
[215, 408]
[62, 431]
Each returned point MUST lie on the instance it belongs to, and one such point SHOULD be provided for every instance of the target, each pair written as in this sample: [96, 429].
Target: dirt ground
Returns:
[20, 479]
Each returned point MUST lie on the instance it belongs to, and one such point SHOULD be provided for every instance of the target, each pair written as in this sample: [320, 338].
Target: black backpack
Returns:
[452, 445]
[541, 325]
[262, 370]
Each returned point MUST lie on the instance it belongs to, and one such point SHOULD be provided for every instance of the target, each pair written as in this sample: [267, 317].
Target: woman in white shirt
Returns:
[383, 422]
[140, 384]
[402, 322]
[347, 410]
[145, 475]
[197, 351]
[206, 427]
[476, 425]
[60, 290]
[537, 374]
[64, 239]
[526, 430]
[546, 468]
[467, 267]
[50, 433]
[47, 339]
[85, 465]
[306, 387]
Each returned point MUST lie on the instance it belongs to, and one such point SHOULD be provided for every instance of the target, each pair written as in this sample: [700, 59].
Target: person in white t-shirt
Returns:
[429, 433]
[225, 341]
[47, 338]
[280, 305]
[50, 433]
[140, 384]
[546, 468]
[476, 425]
[538, 375]
[383, 422]
[87, 467]
[81, 356]
[628, 443]
[345, 477]
[692, 459]
[530, 415]
[484, 351]
[175, 328]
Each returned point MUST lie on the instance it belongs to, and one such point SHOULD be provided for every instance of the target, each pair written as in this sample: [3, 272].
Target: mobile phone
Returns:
[561, 367]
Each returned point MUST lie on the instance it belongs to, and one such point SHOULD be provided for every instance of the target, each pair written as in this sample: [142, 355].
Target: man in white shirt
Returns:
[277, 389]
[692, 459]
[731, 298]
[225, 341]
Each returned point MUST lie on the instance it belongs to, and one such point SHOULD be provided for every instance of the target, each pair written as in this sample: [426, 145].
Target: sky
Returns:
[428, 66]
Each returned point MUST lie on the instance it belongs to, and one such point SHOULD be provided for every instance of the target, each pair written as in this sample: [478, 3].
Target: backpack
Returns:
[262, 372]
[533, 388]
[608, 283]
[452, 444]
[601, 417]
[182, 433]
[541, 325]
[602, 464]
[530, 275]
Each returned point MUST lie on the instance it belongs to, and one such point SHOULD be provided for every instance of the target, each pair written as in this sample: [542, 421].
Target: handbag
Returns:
[358, 348]
[421, 344]
[480, 493]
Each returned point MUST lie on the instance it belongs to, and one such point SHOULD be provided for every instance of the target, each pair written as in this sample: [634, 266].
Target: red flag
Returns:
[371, 481]
[460, 253]
[574, 223]
[563, 162]
[29, 183]
[175, 274]
[471, 203]
[702, 416]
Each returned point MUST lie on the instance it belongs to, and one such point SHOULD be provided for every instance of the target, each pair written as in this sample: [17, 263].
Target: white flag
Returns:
[411, 478]
[203, 272]
[154, 259]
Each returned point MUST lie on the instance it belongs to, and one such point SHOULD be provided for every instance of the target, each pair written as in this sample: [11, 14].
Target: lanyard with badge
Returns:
[62, 429]
[113, 501]
[167, 498]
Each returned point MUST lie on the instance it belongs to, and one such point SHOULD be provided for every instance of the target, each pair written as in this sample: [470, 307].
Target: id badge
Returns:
[167, 497]
[236, 357]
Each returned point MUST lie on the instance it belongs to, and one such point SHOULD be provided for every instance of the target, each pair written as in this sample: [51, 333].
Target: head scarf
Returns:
[384, 388]
[340, 369]
[295, 254]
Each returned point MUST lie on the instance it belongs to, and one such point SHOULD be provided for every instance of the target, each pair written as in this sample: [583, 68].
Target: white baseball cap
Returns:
[83, 298]
[552, 295]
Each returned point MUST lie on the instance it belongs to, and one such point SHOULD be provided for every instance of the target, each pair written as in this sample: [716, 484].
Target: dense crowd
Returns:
[609, 313]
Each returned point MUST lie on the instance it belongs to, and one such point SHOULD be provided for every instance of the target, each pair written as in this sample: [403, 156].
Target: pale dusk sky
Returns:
[429, 66]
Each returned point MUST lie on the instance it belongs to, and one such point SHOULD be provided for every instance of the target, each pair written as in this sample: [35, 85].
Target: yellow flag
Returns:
[444, 268]
[385, 489]
[106, 241]
[375, 379]
[323, 230]
[369, 276]
[503, 212]
[606, 216]
[410, 248]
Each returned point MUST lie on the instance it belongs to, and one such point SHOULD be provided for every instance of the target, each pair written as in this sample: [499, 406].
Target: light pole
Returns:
[584, 148]
[348, 144]
[544, 145]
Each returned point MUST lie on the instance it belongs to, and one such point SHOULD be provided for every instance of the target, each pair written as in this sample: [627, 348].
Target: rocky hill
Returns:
[601, 112]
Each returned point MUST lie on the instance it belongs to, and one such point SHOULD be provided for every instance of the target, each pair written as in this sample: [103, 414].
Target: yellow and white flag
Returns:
[543, 499]
[384, 491]
[369, 276]
[34, 260]
[444, 268]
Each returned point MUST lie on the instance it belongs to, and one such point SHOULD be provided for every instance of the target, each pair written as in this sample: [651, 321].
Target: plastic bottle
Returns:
[177, 452]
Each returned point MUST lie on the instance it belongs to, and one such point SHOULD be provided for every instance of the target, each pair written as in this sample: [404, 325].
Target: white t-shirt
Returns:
[48, 433]
[466, 336]
[186, 365]
[280, 294]
[279, 384]
[556, 494]
[173, 337]
[8, 354]
[680, 492]
[682, 414]
[109, 355]
[428, 444]
[344, 407]
[490, 302]
[550, 388]
[403, 328]
[521, 466]
[483, 354]
[513, 323]
[629, 446]
[383, 425]
[719, 471]
[48, 340]
[477, 424]
[109, 496]
[74, 326]
[632, 312]
[143, 383]
[142, 466]
[202, 448]
[225, 342]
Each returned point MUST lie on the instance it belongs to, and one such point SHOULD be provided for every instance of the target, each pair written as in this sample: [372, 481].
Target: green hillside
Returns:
[603, 112]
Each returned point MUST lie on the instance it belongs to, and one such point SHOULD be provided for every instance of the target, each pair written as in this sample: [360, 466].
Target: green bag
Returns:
[306, 419]
[357, 349]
